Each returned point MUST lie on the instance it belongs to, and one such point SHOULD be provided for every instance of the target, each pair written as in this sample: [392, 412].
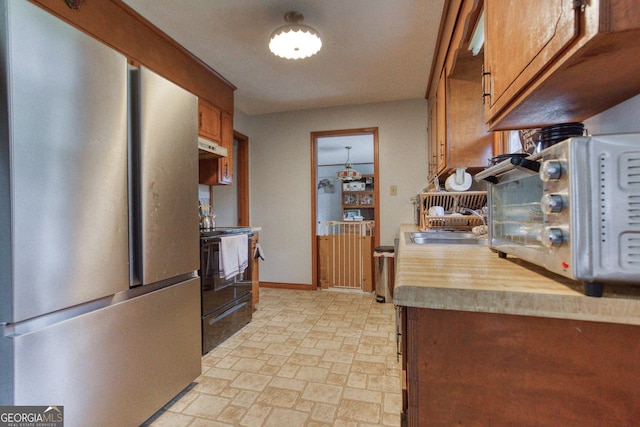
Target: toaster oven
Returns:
[573, 208]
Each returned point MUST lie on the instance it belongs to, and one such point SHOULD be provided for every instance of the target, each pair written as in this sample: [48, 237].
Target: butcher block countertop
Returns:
[474, 278]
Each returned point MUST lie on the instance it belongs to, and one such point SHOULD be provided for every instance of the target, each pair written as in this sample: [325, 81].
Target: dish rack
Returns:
[451, 202]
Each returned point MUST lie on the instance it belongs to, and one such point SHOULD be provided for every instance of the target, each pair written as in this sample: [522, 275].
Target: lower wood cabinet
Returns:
[468, 368]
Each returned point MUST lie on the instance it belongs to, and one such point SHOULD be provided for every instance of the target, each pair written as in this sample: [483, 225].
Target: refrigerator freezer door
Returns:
[168, 188]
[103, 370]
[67, 143]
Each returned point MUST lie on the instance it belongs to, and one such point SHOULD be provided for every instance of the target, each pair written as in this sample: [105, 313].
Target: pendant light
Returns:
[295, 40]
[348, 173]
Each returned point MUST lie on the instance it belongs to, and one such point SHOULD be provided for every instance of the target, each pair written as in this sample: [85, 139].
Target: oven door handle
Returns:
[492, 174]
[526, 165]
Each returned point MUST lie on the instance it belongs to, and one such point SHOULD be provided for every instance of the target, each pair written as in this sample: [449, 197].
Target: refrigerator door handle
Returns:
[135, 212]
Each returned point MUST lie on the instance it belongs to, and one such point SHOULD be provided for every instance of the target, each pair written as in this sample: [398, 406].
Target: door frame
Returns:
[376, 190]
[242, 179]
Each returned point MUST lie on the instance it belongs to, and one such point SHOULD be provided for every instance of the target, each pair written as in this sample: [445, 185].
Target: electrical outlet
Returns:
[393, 190]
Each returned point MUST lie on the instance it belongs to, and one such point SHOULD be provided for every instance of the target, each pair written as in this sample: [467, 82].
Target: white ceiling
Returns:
[373, 50]
[332, 150]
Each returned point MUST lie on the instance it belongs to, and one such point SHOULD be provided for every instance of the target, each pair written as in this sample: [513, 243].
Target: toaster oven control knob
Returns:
[552, 236]
[551, 170]
[552, 203]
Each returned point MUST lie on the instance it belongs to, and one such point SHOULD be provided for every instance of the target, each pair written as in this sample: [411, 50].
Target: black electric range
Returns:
[226, 302]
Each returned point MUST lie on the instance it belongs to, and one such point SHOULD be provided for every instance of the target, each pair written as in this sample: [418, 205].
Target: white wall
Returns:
[225, 197]
[280, 175]
[623, 118]
[329, 205]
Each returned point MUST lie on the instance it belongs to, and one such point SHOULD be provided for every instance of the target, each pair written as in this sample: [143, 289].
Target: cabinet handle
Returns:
[200, 121]
[442, 150]
[398, 333]
[484, 86]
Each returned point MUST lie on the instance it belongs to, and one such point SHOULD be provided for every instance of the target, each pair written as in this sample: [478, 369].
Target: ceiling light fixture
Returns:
[348, 173]
[295, 40]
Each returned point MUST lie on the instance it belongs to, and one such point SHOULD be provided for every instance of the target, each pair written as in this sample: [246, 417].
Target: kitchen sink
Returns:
[445, 237]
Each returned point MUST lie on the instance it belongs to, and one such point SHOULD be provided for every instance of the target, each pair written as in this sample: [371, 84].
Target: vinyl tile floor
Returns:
[308, 358]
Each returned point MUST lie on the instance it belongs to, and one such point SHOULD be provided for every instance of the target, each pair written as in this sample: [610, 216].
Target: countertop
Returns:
[474, 278]
[220, 231]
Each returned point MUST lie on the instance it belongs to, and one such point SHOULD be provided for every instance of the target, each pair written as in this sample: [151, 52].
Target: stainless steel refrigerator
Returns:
[100, 299]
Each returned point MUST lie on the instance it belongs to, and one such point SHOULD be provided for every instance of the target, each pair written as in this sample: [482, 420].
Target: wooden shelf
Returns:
[359, 200]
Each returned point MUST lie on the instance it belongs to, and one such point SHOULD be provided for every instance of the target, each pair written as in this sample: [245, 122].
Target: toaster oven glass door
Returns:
[516, 214]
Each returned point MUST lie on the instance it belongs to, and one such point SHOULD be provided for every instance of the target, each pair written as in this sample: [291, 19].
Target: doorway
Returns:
[349, 214]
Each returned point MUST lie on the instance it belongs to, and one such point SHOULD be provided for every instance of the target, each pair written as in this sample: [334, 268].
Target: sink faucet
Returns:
[472, 212]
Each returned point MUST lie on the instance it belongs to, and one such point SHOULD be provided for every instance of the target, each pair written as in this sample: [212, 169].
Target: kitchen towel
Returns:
[257, 253]
[234, 255]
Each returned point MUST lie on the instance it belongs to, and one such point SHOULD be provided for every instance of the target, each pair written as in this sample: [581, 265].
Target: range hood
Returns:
[208, 149]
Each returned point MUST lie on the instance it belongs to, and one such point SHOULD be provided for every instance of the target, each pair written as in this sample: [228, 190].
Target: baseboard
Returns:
[286, 286]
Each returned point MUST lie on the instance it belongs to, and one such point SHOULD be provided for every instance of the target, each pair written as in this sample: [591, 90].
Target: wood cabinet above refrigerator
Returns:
[553, 61]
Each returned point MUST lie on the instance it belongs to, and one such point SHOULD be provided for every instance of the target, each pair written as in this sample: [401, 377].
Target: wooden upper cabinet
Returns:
[467, 134]
[209, 121]
[554, 61]
[516, 45]
[217, 125]
[458, 137]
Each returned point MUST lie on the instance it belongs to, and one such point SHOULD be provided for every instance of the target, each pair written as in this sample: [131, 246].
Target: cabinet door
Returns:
[220, 171]
[471, 368]
[521, 38]
[209, 121]
[441, 124]
[468, 143]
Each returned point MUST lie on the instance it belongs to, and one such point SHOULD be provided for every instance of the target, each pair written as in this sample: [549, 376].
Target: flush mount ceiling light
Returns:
[295, 40]
[348, 173]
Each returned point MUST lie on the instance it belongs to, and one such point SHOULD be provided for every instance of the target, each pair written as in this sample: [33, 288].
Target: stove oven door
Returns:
[218, 291]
